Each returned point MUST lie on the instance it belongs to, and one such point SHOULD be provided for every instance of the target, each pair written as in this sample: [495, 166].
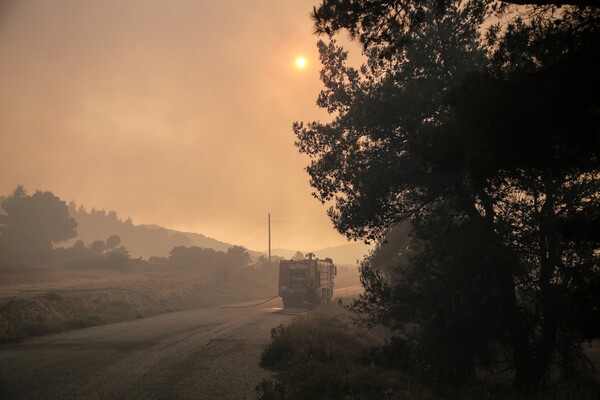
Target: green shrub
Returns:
[280, 352]
[325, 335]
[324, 356]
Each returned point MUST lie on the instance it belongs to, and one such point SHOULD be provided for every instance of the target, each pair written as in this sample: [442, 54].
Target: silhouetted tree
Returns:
[391, 21]
[194, 256]
[222, 266]
[98, 254]
[97, 247]
[31, 224]
[113, 241]
[490, 147]
[238, 256]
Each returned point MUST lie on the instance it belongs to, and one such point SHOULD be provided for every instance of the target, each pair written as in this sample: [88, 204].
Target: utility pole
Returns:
[269, 238]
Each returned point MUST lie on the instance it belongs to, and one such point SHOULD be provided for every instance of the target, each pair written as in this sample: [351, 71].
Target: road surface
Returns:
[209, 353]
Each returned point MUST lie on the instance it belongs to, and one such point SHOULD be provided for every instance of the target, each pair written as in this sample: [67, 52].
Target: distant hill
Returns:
[153, 240]
[140, 240]
[346, 254]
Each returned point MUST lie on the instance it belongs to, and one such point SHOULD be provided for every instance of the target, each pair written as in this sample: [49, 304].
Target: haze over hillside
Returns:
[153, 240]
[140, 240]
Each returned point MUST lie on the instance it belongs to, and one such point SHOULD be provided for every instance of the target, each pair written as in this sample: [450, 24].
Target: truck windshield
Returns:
[298, 273]
[298, 278]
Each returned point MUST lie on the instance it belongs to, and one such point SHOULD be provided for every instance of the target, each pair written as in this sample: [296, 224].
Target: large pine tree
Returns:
[486, 138]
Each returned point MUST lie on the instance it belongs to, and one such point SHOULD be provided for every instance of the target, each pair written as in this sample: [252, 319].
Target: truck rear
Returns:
[306, 283]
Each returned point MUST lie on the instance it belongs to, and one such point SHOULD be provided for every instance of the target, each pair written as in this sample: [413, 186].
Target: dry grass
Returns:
[36, 301]
[12, 276]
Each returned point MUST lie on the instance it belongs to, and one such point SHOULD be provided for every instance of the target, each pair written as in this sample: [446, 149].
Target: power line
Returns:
[249, 231]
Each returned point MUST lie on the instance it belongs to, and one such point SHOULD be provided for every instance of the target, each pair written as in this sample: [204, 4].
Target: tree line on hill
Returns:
[32, 226]
[141, 240]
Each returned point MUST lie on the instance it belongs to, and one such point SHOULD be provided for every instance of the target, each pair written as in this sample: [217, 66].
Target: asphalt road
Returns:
[210, 353]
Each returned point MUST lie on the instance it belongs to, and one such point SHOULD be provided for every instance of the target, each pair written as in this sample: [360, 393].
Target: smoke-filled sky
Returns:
[175, 113]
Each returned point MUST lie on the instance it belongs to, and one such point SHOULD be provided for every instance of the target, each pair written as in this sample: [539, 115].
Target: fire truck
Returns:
[306, 283]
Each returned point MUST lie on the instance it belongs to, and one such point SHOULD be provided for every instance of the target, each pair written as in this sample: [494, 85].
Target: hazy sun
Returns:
[300, 62]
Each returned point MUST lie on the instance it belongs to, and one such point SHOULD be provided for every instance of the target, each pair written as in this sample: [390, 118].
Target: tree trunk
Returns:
[549, 261]
[526, 371]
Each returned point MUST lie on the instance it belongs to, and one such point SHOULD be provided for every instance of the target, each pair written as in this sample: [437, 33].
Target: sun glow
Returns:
[301, 62]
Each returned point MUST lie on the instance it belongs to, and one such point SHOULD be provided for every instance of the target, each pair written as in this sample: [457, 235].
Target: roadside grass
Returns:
[45, 313]
[323, 355]
[39, 301]
[15, 275]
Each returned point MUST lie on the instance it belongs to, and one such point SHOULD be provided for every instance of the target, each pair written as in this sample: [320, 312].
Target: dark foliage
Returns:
[323, 357]
[490, 147]
[97, 254]
[31, 224]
